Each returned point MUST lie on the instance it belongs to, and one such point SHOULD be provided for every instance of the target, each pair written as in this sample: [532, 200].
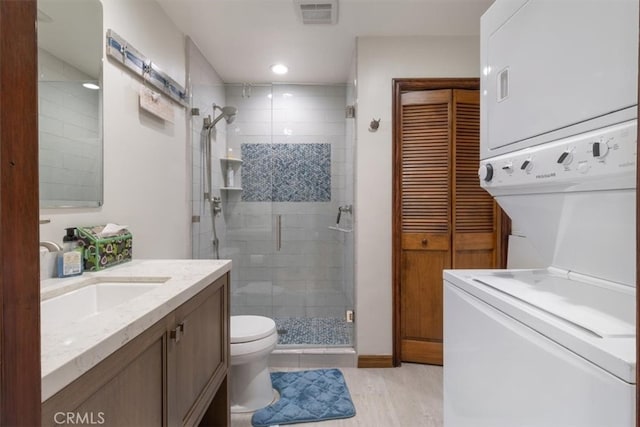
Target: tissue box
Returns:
[102, 252]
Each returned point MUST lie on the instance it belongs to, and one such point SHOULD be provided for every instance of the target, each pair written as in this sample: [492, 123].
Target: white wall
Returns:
[379, 60]
[147, 182]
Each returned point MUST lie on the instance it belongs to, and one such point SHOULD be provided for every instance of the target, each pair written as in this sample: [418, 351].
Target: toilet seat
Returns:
[251, 328]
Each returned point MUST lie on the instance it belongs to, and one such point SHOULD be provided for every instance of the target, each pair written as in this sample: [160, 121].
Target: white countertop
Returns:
[69, 352]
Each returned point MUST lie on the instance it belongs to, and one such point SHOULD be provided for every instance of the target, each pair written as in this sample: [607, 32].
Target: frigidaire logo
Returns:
[546, 175]
[79, 418]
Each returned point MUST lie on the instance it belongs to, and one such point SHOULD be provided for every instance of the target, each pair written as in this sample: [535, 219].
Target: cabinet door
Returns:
[133, 397]
[126, 389]
[198, 354]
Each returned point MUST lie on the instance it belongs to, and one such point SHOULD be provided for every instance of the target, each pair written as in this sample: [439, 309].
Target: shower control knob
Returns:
[600, 149]
[485, 172]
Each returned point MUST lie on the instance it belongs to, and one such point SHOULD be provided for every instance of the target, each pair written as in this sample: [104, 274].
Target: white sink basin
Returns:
[92, 297]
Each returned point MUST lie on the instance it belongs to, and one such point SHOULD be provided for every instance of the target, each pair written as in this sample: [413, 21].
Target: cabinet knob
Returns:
[424, 242]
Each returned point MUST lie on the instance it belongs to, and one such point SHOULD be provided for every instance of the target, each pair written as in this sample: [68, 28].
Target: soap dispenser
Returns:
[70, 261]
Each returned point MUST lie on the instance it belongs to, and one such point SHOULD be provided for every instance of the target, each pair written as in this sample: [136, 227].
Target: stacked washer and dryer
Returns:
[555, 346]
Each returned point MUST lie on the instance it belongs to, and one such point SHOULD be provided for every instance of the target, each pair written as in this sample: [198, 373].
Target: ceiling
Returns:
[243, 38]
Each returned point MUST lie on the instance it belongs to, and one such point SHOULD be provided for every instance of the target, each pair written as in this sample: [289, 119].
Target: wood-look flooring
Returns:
[409, 396]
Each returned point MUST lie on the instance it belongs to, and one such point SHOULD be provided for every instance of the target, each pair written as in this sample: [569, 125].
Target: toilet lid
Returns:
[251, 328]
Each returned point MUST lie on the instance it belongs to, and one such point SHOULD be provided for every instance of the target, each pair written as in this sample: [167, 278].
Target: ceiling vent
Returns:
[313, 12]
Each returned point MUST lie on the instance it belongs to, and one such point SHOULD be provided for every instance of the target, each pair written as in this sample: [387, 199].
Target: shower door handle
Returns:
[278, 232]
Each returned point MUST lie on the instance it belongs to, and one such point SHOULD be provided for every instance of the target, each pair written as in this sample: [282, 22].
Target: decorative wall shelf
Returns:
[231, 170]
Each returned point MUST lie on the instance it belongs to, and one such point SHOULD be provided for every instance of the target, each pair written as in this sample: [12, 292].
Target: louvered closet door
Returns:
[474, 237]
[425, 135]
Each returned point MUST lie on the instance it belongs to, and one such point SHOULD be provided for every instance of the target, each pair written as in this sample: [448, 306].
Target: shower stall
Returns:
[283, 173]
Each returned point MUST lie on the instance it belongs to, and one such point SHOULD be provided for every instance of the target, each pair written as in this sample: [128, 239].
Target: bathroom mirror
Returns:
[70, 40]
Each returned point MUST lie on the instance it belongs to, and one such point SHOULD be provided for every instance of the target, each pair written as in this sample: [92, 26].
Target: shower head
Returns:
[228, 113]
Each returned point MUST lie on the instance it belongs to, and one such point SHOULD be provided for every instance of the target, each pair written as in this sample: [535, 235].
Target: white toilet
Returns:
[253, 338]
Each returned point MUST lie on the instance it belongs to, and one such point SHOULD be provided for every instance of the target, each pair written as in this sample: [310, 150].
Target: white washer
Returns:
[556, 346]
[535, 348]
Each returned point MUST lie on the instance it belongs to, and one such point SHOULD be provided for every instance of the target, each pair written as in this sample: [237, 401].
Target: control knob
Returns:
[486, 172]
[565, 158]
[527, 165]
[600, 149]
[508, 167]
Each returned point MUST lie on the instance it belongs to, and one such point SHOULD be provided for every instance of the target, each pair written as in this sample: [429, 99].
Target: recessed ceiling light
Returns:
[91, 86]
[279, 68]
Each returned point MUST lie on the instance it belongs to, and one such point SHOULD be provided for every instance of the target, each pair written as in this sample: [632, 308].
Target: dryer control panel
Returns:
[599, 160]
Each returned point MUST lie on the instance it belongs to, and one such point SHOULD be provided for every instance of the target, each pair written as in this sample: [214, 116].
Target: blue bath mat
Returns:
[306, 396]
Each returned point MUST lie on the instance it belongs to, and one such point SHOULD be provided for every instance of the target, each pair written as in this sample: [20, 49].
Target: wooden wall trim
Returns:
[369, 361]
[19, 259]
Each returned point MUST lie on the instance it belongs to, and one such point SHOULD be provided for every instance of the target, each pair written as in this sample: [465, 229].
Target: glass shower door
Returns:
[312, 298]
[288, 263]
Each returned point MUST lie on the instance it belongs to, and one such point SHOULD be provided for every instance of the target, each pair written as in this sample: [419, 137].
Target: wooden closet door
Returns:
[425, 135]
[474, 211]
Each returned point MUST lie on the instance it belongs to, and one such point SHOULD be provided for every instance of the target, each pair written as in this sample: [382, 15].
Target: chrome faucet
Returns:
[51, 246]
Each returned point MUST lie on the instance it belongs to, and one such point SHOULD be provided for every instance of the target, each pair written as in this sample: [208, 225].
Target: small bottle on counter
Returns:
[70, 262]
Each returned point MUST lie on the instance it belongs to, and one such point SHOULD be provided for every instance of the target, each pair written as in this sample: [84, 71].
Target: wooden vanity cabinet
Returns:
[173, 374]
[198, 355]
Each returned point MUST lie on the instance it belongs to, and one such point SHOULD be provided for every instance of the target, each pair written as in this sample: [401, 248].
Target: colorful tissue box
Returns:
[102, 252]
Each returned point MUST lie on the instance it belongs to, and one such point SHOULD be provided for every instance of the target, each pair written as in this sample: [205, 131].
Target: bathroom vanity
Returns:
[154, 350]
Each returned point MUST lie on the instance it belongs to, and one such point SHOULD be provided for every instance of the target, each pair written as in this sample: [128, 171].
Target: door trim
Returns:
[19, 260]
[400, 86]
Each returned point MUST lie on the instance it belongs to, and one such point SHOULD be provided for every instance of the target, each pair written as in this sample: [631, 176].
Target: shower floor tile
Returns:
[313, 330]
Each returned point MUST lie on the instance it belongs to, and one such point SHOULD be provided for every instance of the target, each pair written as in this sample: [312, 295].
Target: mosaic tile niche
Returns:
[286, 172]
